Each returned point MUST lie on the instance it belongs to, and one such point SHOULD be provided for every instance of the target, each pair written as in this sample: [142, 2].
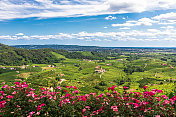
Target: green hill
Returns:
[18, 56]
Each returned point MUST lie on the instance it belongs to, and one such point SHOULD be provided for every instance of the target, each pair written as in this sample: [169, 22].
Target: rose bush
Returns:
[21, 100]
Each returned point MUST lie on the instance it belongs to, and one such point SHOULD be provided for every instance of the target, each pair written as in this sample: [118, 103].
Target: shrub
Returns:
[21, 100]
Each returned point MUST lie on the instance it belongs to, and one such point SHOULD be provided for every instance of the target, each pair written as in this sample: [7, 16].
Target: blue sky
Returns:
[115, 23]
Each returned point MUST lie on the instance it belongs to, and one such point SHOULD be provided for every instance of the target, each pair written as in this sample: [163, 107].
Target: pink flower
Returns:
[135, 105]
[115, 92]
[10, 96]
[2, 92]
[42, 89]
[112, 88]
[17, 83]
[158, 98]
[94, 94]
[73, 102]
[39, 107]
[18, 106]
[75, 91]
[100, 96]
[114, 108]
[108, 94]
[166, 102]
[32, 89]
[2, 104]
[83, 99]
[159, 91]
[137, 101]
[5, 87]
[14, 93]
[125, 88]
[164, 96]
[31, 113]
[87, 107]
[67, 95]
[157, 116]
[75, 87]
[174, 98]
[145, 87]
[43, 104]
[67, 87]
[38, 113]
[58, 87]
[65, 90]
[83, 111]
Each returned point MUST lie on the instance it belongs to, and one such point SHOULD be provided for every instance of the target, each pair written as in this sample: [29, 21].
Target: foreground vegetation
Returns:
[125, 72]
[21, 100]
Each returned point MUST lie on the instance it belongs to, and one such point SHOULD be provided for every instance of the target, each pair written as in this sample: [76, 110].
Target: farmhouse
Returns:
[100, 70]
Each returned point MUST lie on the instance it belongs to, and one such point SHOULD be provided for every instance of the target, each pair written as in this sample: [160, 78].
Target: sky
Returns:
[106, 23]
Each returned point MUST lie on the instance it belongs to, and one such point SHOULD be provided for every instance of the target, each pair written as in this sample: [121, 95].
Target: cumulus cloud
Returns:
[110, 18]
[151, 34]
[19, 34]
[166, 19]
[168, 16]
[142, 21]
[11, 9]
[124, 28]
[167, 27]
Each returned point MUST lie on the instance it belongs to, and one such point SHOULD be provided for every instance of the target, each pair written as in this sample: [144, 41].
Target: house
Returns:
[109, 64]
[120, 60]
[98, 67]
[62, 75]
[164, 64]
[11, 68]
[23, 67]
[100, 70]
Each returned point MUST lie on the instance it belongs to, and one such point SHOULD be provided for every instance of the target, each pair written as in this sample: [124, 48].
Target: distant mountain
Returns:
[18, 56]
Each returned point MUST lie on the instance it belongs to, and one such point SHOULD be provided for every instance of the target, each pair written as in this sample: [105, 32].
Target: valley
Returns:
[96, 71]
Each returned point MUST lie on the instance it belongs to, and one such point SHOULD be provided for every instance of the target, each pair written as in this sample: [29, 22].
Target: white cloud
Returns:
[166, 19]
[167, 27]
[110, 18]
[124, 28]
[11, 9]
[168, 33]
[19, 34]
[167, 16]
[153, 30]
[142, 21]
[105, 27]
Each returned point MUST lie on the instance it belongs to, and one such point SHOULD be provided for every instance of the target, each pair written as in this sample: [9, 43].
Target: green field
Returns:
[133, 71]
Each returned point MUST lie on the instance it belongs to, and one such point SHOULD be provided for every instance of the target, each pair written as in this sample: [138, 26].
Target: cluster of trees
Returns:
[130, 69]
[82, 55]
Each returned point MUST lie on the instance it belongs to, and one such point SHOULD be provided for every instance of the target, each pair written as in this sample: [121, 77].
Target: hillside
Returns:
[21, 56]
[18, 56]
